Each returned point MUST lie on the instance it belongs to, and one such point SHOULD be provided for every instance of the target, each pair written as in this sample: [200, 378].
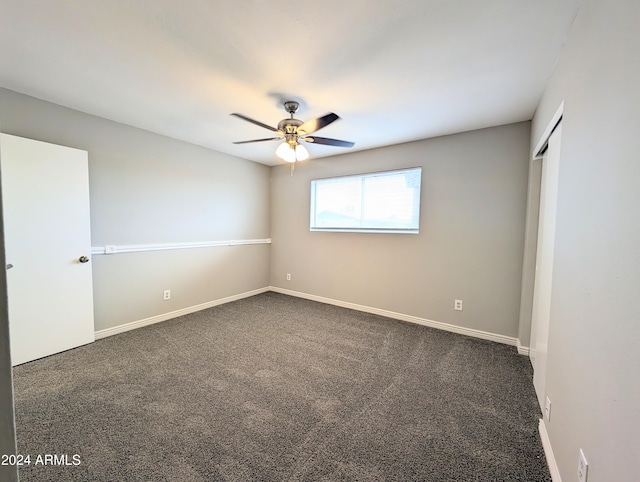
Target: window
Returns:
[380, 202]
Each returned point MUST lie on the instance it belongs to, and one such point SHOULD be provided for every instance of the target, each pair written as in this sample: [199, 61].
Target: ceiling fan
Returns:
[292, 131]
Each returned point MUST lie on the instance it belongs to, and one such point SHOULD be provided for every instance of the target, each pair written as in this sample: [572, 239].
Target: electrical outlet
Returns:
[457, 305]
[288, 276]
[547, 409]
[167, 295]
[583, 467]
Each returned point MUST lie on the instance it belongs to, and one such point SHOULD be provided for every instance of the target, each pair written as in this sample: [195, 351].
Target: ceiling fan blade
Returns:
[317, 124]
[259, 140]
[253, 121]
[328, 142]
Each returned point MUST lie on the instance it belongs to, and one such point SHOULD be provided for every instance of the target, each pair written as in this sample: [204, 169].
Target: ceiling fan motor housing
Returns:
[289, 126]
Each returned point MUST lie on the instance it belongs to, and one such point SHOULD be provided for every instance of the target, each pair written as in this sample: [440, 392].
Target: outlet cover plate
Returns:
[547, 409]
[583, 467]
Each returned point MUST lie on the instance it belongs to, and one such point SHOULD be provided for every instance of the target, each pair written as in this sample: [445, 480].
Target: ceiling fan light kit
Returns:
[292, 131]
[292, 152]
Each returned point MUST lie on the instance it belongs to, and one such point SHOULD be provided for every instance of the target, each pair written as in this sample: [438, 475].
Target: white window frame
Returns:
[357, 229]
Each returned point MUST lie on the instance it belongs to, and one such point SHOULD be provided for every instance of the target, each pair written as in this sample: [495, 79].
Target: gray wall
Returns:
[148, 189]
[593, 358]
[470, 244]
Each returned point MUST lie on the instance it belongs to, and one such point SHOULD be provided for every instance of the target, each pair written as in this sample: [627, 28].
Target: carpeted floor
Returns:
[275, 388]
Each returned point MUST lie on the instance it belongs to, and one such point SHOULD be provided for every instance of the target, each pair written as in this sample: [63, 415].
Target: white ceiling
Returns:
[394, 70]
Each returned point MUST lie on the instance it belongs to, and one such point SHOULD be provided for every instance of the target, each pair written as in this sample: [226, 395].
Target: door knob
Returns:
[9, 266]
[83, 259]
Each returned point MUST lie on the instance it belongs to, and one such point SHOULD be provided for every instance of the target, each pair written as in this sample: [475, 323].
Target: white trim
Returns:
[548, 452]
[135, 248]
[237, 242]
[507, 340]
[174, 314]
[522, 350]
[537, 152]
[365, 230]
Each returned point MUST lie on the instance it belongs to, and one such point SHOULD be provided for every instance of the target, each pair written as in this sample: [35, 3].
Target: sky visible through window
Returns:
[377, 201]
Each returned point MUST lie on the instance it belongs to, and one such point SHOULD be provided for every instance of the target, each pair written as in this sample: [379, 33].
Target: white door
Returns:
[45, 197]
[544, 263]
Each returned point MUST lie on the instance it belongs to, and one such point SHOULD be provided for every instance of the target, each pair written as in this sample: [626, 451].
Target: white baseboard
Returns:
[174, 314]
[522, 350]
[507, 340]
[344, 304]
[548, 452]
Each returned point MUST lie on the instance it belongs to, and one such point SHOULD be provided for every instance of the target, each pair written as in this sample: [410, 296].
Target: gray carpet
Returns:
[275, 388]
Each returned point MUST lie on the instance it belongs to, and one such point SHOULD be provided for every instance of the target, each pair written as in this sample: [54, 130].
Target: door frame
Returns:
[541, 146]
[537, 156]
[7, 420]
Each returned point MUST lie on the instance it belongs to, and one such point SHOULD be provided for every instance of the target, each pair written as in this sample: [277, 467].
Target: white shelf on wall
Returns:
[136, 248]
